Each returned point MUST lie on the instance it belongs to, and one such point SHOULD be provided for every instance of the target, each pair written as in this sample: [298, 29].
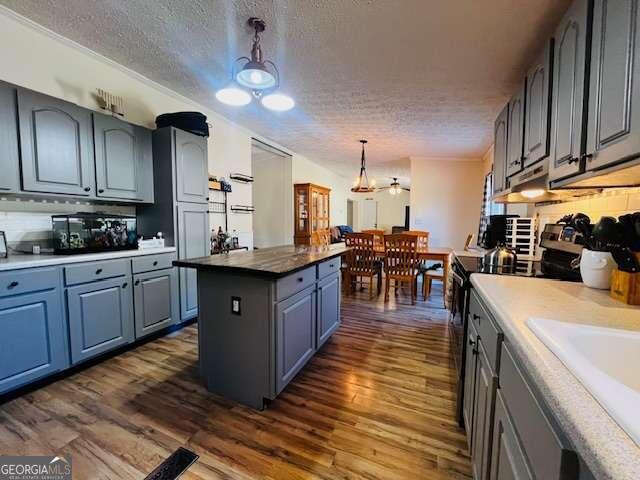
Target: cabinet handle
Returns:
[331, 265]
[13, 284]
[573, 160]
[87, 189]
[155, 263]
[101, 190]
[587, 156]
[98, 271]
[475, 351]
[300, 279]
[137, 282]
[476, 316]
[124, 285]
[472, 342]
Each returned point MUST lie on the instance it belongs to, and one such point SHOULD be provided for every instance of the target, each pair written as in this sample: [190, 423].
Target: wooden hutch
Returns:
[311, 212]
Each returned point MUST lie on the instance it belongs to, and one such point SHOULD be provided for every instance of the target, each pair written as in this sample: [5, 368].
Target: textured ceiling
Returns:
[415, 77]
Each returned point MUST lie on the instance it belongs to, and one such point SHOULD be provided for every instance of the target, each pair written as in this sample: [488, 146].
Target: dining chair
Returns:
[400, 262]
[362, 261]
[423, 238]
[378, 238]
[468, 241]
[320, 238]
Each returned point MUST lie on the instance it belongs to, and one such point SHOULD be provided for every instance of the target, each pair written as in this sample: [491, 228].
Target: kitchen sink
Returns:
[604, 360]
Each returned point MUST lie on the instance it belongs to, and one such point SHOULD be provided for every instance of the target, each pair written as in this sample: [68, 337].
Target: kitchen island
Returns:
[262, 315]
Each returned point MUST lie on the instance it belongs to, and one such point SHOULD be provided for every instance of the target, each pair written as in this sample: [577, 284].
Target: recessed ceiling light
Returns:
[278, 102]
[233, 96]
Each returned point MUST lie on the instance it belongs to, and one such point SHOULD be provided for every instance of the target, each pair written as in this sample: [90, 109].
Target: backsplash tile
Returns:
[27, 222]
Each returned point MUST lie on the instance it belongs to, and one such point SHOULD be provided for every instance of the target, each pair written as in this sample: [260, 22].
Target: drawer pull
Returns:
[13, 284]
[101, 190]
[137, 282]
[300, 279]
[155, 263]
[124, 285]
[476, 316]
[472, 342]
[87, 189]
[331, 265]
[98, 271]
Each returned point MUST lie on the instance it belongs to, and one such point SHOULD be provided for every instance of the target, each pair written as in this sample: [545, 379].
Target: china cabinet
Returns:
[311, 211]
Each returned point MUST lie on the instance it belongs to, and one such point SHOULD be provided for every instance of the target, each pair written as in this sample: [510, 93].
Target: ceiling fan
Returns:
[394, 188]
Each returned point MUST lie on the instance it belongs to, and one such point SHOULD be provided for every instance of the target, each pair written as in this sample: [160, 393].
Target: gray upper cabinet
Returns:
[569, 110]
[100, 317]
[515, 128]
[295, 335]
[193, 241]
[501, 136]
[56, 145]
[9, 152]
[508, 462]
[614, 107]
[191, 168]
[328, 307]
[538, 107]
[155, 300]
[124, 160]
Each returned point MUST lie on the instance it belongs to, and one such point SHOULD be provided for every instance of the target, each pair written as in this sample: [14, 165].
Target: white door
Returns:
[369, 209]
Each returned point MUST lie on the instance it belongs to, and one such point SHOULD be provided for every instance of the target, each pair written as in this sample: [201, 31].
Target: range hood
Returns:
[532, 186]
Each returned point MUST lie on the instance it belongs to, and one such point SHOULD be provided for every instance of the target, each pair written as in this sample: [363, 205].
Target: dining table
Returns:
[439, 254]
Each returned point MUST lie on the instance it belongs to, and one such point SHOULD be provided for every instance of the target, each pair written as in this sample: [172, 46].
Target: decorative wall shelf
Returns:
[241, 177]
[242, 208]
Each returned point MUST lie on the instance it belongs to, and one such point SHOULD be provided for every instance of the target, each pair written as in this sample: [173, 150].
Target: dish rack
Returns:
[521, 236]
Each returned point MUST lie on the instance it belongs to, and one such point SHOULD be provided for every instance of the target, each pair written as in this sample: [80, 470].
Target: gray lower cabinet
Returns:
[515, 128]
[9, 150]
[56, 145]
[507, 459]
[328, 307]
[471, 359]
[569, 112]
[614, 101]
[484, 397]
[501, 136]
[124, 161]
[538, 107]
[155, 300]
[193, 242]
[100, 317]
[192, 169]
[32, 344]
[295, 327]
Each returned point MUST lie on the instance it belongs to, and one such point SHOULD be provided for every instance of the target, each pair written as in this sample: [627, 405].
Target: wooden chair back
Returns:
[401, 257]
[361, 259]
[320, 238]
[423, 238]
[378, 238]
[468, 241]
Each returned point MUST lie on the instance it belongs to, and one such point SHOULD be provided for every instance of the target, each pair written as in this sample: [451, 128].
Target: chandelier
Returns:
[258, 76]
[362, 184]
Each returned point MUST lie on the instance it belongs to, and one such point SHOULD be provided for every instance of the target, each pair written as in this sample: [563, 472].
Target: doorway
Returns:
[271, 191]
[369, 214]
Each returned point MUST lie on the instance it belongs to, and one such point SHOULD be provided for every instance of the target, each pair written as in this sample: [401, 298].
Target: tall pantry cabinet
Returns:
[180, 211]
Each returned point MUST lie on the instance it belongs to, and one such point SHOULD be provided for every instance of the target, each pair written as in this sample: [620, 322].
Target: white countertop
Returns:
[600, 441]
[18, 261]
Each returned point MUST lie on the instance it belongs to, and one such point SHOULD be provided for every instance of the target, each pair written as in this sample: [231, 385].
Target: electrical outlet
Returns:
[236, 308]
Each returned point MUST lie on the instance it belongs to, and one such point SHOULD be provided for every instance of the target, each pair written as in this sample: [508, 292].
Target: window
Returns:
[489, 207]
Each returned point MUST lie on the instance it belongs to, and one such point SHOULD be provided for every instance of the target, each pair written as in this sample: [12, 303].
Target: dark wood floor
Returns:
[377, 402]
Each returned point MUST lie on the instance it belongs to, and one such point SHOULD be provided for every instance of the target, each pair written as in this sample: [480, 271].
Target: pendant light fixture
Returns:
[362, 184]
[259, 76]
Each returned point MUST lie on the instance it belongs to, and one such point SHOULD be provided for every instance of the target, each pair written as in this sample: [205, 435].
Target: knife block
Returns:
[625, 286]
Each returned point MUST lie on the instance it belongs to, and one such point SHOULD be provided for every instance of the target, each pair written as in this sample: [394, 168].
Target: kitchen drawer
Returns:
[18, 282]
[487, 330]
[329, 267]
[91, 272]
[146, 263]
[287, 286]
[548, 454]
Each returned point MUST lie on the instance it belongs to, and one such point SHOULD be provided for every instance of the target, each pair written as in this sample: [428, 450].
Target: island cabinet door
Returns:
[100, 317]
[328, 308]
[295, 335]
[155, 300]
[193, 242]
[508, 461]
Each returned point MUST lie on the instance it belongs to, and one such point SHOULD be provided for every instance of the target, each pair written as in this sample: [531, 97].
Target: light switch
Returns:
[235, 305]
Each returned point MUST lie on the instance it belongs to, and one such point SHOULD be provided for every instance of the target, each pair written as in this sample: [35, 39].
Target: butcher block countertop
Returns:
[271, 262]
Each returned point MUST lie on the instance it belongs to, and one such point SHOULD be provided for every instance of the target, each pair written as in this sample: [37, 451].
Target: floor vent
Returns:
[174, 466]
